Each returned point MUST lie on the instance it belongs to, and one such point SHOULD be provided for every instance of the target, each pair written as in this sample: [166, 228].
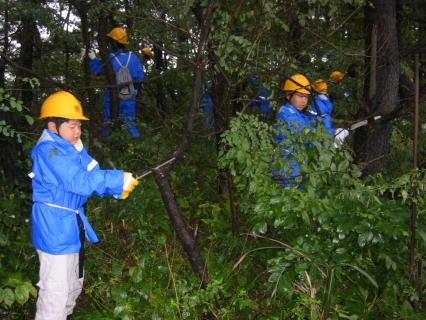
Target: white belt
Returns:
[59, 207]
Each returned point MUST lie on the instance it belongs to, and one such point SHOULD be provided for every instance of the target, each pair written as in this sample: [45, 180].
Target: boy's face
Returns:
[298, 100]
[69, 131]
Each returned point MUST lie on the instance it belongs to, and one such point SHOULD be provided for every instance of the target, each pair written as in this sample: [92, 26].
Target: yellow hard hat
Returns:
[148, 52]
[320, 86]
[119, 35]
[62, 104]
[297, 83]
[336, 76]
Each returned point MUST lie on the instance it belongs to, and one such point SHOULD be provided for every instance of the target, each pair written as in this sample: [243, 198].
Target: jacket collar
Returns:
[47, 135]
[118, 52]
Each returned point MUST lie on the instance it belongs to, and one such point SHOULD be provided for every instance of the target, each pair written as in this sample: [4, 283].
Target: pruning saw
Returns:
[362, 123]
[157, 167]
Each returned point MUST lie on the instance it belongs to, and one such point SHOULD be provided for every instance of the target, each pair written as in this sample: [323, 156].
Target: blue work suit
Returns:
[206, 108]
[62, 180]
[296, 121]
[262, 103]
[127, 108]
[323, 107]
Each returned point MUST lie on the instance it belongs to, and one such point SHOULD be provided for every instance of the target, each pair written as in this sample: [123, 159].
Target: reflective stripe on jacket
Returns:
[62, 180]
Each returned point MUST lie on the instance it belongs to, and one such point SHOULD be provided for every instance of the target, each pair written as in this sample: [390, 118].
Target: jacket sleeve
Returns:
[326, 122]
[324, 107]
[136, 70]
[96, 67]
[66, 172]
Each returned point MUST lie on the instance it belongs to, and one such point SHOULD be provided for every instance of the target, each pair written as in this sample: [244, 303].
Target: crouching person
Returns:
[64, 176]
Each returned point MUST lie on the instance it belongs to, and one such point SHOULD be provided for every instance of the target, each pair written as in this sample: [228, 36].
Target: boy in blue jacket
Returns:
[63, 177]
[295, 116]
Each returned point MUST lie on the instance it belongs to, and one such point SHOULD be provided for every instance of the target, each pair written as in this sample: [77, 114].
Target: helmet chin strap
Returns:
[307, 87]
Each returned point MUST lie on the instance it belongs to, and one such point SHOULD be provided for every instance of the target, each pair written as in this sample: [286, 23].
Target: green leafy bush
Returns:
[338, 239]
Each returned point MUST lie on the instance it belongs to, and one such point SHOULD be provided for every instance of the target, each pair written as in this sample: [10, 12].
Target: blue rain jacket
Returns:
[206, 107]
[323, 107]
[295, 122]
[262, 103]
[127, 108]
[62, 180]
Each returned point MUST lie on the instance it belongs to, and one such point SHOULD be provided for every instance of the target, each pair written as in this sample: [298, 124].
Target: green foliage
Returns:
[15, 290]
[334, 248]
[11, 107]
[331, 235]
[16, 283]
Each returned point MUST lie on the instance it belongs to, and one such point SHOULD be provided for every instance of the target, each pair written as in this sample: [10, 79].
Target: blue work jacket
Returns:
[296, 121]
[135, 67]
[322, 106]
[262, 103]
[62, 180]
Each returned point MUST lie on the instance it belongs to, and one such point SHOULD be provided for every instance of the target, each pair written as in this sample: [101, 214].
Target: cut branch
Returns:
[161, 173]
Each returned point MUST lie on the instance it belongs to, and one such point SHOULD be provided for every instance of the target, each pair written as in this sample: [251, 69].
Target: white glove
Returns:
[91, 54]
[340, 136]
[78, 145]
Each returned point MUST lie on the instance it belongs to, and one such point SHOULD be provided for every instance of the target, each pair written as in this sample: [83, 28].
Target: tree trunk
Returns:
[26, 39]
[160, 96]
[5, 44]
[185, 237]
[372, 144]
[233, 206]
[103, 29]
[82, 9]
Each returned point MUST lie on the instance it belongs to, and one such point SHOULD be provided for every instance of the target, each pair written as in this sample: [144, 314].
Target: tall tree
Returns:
[4, 42]
[28, 36]
[372, 144]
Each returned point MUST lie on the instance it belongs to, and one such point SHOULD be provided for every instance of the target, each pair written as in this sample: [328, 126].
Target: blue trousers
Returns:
[127, 113]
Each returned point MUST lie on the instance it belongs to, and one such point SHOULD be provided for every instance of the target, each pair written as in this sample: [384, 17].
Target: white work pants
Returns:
[59, 286]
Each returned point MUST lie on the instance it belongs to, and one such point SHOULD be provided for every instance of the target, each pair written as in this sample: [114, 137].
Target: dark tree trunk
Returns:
[4, 43]
[26, 37]
[233, 205]
[161, 175]
[372, 144]
[223, 109]
[129, 19]
[27, 41]
[186, 238]
[160, 96]
[104, 26]
[82, 9]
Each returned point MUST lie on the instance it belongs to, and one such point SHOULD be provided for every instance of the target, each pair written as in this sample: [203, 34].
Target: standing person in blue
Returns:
[322, 106]
[261, 104]
[295, 117]
[206, 107]
[64, 176]
[120, 57]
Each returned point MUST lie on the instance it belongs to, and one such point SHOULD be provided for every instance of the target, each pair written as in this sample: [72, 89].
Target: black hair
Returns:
[115, 45]
[57, 121]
